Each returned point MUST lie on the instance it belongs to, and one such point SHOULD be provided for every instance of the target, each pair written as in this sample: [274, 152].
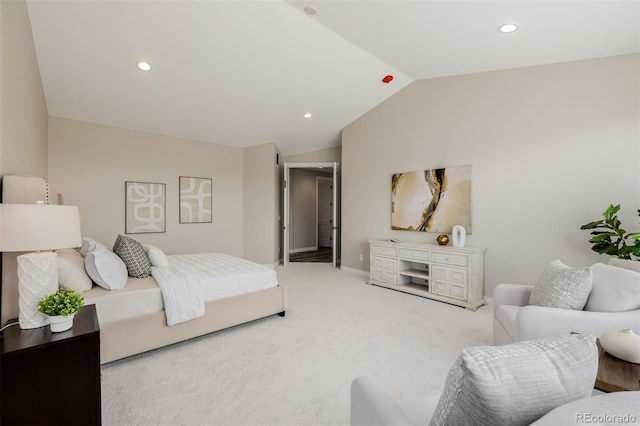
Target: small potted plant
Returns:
[61, 307]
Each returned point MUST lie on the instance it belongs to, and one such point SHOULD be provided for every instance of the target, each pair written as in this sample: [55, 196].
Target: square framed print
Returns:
[196, 200]
[145, 207]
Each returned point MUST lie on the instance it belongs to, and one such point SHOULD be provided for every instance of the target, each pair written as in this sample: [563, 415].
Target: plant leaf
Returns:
[602, 237]
[592, 225]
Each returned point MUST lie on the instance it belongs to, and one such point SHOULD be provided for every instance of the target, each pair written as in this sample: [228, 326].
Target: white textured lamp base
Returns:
[37, 277]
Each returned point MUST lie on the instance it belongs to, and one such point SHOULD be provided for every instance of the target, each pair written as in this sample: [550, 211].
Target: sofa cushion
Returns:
[519, 383]
[614, 289]
[634, 265]
[608, 408]
[561, 286]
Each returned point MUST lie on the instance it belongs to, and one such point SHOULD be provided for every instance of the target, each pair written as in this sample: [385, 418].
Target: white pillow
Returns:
[517, 384]
[614, 289]
[89, 245]
[561, 286]
[106, 269]
[71, 271]
[156, 256]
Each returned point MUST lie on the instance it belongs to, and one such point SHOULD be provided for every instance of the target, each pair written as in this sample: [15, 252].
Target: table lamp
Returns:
[37, 228]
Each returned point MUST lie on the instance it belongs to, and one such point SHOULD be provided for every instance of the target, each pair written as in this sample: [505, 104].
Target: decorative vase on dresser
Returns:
[448, 274]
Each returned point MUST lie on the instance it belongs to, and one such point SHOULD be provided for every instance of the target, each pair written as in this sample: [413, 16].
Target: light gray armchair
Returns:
[615, 287]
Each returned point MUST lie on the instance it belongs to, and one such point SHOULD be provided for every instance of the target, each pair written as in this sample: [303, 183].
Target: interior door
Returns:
[324, 211]
[334, 210]
[285, 215]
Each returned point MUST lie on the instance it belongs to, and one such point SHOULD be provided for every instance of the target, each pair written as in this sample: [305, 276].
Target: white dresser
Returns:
[449, 274]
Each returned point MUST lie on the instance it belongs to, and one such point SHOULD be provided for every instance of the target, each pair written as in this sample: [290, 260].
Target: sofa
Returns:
[543, 382]
[612, 302]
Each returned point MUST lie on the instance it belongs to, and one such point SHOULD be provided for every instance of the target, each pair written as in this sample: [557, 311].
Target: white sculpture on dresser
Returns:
[458, 235]
[623, 344]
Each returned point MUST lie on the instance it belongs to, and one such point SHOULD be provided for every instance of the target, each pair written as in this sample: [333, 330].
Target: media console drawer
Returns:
[384, 250]
[449, 258]
[447, 274]
[413, 254]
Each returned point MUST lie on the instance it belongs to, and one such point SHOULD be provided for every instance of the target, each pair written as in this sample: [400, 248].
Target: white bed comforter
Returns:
[193, 279]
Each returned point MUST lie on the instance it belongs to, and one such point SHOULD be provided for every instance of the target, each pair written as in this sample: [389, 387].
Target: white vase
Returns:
[59, 323]
[623, 344]
[458, 235]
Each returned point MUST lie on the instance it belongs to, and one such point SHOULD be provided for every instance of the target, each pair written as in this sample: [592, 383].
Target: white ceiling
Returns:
[243, 73]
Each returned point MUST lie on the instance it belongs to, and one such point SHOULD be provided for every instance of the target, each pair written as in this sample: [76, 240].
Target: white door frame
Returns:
[318, 180]
[286, 187]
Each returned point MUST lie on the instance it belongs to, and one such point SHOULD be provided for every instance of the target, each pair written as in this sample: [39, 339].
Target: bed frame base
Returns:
[132, 336]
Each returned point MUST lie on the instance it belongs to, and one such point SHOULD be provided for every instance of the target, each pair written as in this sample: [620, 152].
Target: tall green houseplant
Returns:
[610, 238]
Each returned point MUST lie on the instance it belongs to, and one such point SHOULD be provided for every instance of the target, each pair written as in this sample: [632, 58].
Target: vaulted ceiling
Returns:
[243, 73]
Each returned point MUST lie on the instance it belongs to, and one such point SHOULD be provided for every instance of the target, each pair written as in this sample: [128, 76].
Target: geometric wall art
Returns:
[431, 200]
[195, 200]
[145, 209]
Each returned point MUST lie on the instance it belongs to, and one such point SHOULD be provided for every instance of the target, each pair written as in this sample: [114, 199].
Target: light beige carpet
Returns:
[296, 370]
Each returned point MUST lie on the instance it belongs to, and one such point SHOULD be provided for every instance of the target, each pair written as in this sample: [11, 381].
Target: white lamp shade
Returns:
[34, 227]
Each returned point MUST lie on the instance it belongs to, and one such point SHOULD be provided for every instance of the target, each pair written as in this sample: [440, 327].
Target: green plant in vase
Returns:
[61, 307]
[610, 238]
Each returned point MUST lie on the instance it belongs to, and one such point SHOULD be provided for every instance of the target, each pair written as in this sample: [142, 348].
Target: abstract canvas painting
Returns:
[195, 200]
[431, 200]
[145, 207]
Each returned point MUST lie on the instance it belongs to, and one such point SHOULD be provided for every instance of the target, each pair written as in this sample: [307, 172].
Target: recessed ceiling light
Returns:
[310, 10]
[307, 115]
[144, 66]
[508, 28]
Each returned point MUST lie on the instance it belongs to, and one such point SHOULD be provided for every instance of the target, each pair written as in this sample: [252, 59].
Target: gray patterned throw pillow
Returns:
[516, 384]
[133, 255]
[561, 286]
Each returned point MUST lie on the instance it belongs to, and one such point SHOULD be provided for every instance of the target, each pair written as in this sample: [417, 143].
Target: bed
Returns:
[133, 319]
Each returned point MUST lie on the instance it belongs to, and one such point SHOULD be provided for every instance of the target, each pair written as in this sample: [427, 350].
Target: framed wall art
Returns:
[145, 207]
[196, 200]
[431, 200]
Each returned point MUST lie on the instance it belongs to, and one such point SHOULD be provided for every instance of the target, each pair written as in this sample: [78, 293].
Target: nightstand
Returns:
[51, 378]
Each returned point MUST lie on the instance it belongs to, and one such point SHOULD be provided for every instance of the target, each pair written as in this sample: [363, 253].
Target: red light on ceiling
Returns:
[387, 79]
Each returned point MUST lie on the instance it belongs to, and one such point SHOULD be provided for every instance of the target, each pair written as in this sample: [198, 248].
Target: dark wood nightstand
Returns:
[51, 378]
[616, 375]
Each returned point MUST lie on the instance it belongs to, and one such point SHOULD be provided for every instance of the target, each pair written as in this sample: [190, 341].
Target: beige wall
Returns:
[23, 120]
[89, 164]
[23, 115]
[328, 155]
[261, 206]
[551, 146]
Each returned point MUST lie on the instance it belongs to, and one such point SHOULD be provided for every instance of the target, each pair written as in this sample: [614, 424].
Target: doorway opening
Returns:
[310, 228]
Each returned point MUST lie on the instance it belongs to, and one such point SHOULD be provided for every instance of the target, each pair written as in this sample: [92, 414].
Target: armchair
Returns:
[515, 320]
